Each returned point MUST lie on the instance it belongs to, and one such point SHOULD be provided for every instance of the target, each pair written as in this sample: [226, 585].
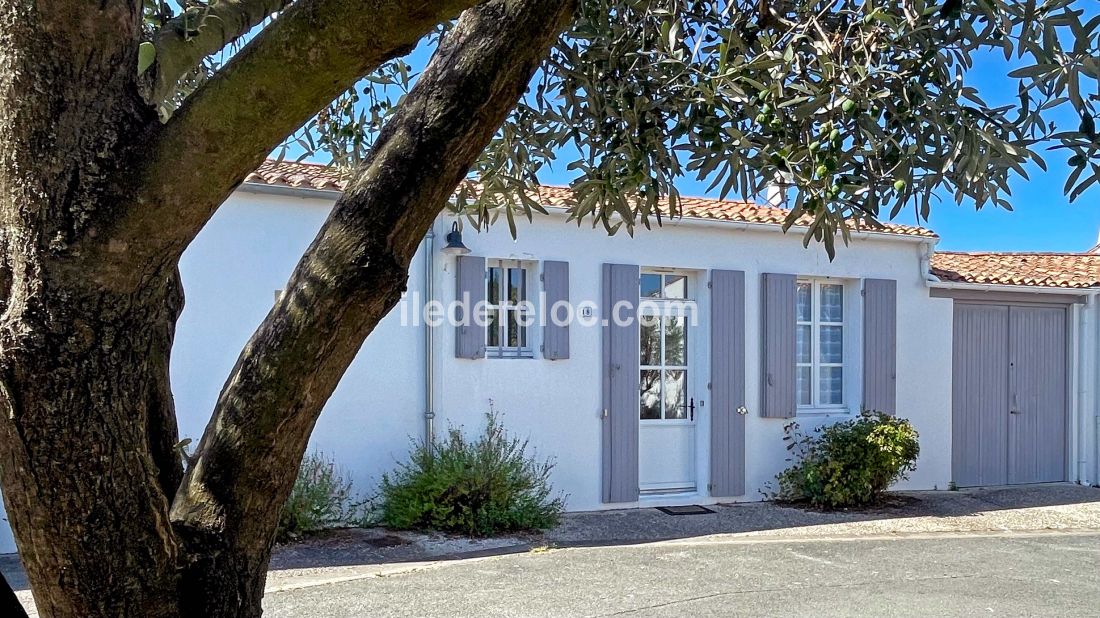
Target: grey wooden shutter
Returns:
[555, 336]
[469, 292]
[727, 383]
[779, 346]
[880, 325]
[620, 384]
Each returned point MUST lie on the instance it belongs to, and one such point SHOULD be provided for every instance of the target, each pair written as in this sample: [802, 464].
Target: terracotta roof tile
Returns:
[1055, 270]
[304, 175]
[321, 177]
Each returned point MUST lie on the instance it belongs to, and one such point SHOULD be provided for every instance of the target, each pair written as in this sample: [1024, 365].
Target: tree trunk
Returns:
[105, 523]
[86, 419]
[86, 447]
[352, 275]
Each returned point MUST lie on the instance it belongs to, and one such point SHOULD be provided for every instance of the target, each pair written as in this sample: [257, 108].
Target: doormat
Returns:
[693, 509]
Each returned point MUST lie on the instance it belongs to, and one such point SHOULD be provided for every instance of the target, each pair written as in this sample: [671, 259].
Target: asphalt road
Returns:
[1018, 574]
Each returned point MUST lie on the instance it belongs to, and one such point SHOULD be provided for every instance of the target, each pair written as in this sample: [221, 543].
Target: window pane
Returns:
[521, 315]
[496, 280]
[804, 296]
[832, 303]
[517, 285]
[676, 286]
[675, 340]
[516, 334]
[803, 384]
[676, 394]
[651, 286]
[832, 385]
[493, 328]
[651, 342]
[832, 344]
[651, 394]
[803, 343]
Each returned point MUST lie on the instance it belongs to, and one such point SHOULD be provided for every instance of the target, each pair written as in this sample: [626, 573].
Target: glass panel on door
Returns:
[664, 371]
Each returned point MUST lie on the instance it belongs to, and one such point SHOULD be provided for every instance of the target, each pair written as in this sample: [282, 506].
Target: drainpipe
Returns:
[429, 340]
[1081, 401]
[928, 249]
[1089, 412]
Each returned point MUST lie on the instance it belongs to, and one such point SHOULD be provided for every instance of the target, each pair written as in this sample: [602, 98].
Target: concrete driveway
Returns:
[954, 574]
[1016, 551]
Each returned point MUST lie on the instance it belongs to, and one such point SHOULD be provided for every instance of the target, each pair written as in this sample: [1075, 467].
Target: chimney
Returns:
[776, 191]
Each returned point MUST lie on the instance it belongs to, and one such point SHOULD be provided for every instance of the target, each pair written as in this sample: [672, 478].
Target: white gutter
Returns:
[1020, 289]
[284, 190]
[775, 227]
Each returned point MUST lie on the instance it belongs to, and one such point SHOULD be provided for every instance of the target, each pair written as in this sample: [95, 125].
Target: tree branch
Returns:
[354, 273]
[198, 32]
[313, 51]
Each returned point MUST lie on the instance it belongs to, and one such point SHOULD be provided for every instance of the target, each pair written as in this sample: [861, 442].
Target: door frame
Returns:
[695, 363]
[1066, 302]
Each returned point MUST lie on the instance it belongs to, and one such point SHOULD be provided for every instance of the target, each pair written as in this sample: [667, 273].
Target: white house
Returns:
[993, 357]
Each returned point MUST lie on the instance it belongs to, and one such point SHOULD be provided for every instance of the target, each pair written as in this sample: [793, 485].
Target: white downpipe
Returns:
[1085, 357]
[1090, 410]
[927, 251]
[429, 340]
[1079, 393]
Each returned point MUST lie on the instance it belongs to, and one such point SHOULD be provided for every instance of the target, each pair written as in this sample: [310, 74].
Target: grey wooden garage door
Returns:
[1009, 394]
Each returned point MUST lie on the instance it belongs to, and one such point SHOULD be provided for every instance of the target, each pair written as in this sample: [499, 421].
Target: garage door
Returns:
[1009, 394]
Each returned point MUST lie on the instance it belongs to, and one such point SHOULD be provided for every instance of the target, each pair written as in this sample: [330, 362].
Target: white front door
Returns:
[667, 408]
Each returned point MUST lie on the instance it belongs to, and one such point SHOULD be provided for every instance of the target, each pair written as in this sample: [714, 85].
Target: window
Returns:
[670, 286]
[819, 344]
[663, 323]
[509, 312]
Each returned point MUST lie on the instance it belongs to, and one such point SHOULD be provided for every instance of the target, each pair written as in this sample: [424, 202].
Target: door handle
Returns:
[691, 408]
[742, 410]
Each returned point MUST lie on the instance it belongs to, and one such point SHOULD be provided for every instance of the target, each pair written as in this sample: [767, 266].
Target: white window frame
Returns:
[815, 323]
[527, 350]
[660, 307]
[664, 273]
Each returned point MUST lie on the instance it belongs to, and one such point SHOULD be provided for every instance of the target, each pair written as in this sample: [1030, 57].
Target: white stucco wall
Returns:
[234, 268]
[247, 252]
[231, 274]
[557, 403]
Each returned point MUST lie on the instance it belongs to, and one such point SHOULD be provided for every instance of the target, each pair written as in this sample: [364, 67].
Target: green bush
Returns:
[850, 463]
[322, 498]
[481, 487]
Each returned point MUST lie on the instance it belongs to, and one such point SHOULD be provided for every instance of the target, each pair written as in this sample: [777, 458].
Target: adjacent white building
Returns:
[732, 331]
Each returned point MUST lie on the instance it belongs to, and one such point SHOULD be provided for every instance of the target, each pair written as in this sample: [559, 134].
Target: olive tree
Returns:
[123, 131]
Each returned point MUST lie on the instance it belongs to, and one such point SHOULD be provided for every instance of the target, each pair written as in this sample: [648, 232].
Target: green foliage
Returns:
[848, 464]
[322, 498]
[147, 53]
[481, 487]
[864, 106]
